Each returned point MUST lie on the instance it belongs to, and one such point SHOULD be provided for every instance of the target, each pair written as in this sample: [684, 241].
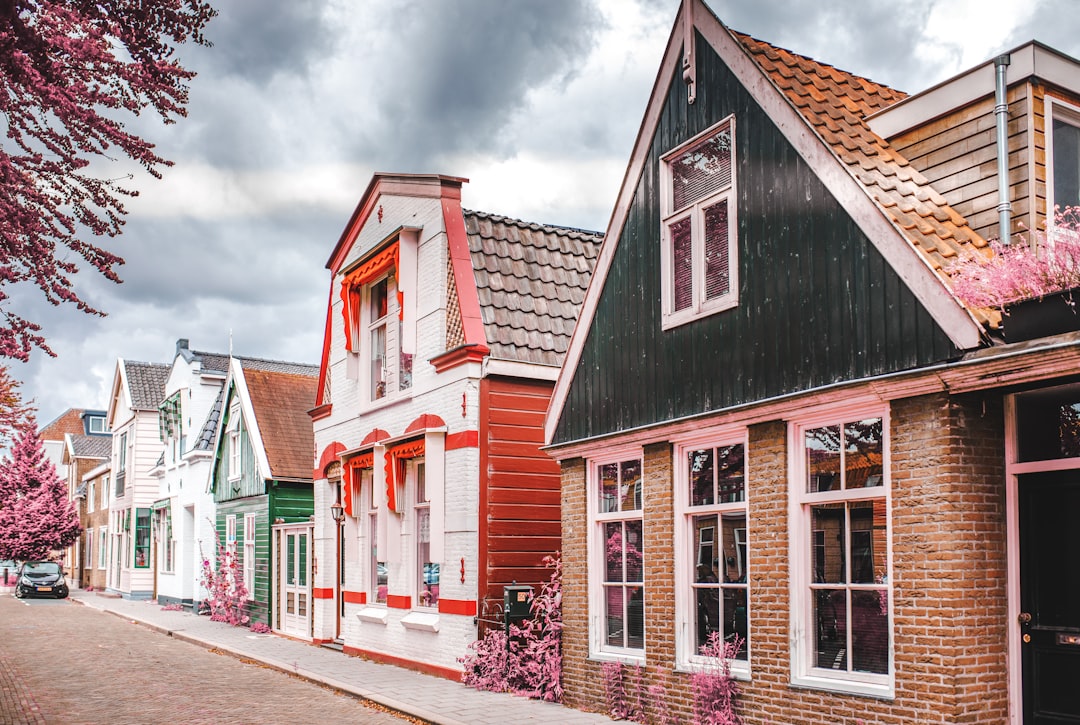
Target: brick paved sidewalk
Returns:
[428, 698]
[17, 705]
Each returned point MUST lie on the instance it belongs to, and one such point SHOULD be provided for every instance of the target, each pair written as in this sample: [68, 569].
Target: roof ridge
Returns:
[556, 228]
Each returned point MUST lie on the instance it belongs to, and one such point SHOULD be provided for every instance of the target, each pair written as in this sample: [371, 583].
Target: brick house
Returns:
[83, 456]
[444, 333]
[776, 422]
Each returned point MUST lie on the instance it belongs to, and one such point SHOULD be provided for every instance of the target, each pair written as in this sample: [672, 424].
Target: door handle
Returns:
[1024, 618]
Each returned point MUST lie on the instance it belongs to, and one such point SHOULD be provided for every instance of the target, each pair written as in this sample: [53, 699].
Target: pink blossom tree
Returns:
[36, 516]
[70, 72]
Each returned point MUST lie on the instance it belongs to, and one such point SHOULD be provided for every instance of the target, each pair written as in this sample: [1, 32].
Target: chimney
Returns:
[181, 344]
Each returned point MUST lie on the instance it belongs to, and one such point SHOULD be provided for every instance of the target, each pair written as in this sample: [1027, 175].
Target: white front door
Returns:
[293, 580]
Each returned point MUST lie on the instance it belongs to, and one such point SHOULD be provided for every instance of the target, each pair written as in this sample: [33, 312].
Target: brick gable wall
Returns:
[949, 566]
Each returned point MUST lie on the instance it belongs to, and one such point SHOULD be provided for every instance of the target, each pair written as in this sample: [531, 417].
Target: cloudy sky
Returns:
[537, 102]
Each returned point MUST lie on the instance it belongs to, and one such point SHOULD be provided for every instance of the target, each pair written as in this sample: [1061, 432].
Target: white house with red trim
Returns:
[445, 331]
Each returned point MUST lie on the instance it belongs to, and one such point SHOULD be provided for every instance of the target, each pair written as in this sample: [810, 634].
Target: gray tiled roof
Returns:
[277, 366]
[95, 446]
[146, 383]
[212, 361]
[205, 441]
[531, 279]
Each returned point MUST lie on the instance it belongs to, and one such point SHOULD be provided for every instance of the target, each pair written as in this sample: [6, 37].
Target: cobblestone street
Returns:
[65, 663]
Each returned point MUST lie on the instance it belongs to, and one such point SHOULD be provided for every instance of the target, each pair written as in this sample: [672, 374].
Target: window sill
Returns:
[676, 319]
[881, 691]
[373, 615]
[740, 669]
[623, 659]
[421, 621]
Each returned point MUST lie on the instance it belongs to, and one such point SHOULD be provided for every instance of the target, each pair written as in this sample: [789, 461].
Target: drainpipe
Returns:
[1001, 115]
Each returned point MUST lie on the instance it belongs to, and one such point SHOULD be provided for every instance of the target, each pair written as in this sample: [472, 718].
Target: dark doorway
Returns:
[1050, 596]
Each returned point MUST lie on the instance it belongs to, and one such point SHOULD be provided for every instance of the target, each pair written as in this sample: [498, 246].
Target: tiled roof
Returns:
[205, 441]
[836, 103]
[531, 279]
[146, 383]
[281, 400]
[95, 446]
[212, 361]
[70, 421]
[277, 366]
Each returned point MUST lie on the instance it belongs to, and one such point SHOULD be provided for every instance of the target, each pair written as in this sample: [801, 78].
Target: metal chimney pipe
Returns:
[1001, 116]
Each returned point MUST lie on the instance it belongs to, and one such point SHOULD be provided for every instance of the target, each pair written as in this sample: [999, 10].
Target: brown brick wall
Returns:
[949, 567]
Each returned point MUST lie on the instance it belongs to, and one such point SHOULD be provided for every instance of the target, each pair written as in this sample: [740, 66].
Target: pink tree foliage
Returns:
[531, 665]
[36, 515]
[223, 578]
[70, 72]
[1022, 271]
[15, 416]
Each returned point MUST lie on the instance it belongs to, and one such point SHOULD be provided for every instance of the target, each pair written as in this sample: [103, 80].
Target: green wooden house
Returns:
[262, 469]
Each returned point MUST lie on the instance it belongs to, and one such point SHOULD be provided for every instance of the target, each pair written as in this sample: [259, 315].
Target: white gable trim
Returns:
[912, 268]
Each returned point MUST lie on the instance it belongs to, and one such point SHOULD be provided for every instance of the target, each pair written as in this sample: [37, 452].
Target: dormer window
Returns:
[235, 443]
[95, 424]
[1064, 173]
[699, 260]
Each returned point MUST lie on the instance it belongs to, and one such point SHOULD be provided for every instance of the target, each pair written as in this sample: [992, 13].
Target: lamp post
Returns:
[337, 511]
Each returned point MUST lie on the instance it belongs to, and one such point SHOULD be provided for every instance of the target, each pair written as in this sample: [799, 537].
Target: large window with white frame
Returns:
[249, 554]
[840, 552]
[166, 543]
[88, 561]
[617, 558]
[427, 571]
[713, 597]
[103, 543]
[90, 496]
[699, 260]
[378, 578]
[1063, 120]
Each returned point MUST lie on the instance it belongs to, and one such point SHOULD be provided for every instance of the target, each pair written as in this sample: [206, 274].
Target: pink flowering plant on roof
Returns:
[1022, 271]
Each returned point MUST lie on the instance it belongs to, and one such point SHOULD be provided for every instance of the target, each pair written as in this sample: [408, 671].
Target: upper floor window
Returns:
[1065, 142]
[699, 262]
[235, 443]
[96, 424]
[617, 558]
[91, 499]
[841, 595]
[713, 597]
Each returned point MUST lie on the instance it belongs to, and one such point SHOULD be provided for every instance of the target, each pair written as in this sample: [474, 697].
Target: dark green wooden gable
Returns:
[817, 303]
[249, 483]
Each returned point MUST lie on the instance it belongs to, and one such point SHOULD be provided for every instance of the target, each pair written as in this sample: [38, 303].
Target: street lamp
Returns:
[337, 511]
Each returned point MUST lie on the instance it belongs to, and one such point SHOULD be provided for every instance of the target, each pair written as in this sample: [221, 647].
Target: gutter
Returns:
[1001, 116]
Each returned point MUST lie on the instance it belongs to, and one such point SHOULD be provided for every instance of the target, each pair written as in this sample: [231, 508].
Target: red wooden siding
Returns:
[520, 522]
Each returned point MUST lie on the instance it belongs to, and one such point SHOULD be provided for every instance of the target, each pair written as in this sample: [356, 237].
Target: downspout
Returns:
[1001, 115]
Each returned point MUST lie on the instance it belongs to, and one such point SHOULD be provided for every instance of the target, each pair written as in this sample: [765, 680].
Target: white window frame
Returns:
[1056, 110]
[686, 655]
[230, 533]
[370, 535]
[90, 495]
[699, 306]
[415, 472]
[368, 325]
[596, 543]
[800, 553]
[249, 555]
[88, 553]
[235, 444]
[103, 545]
[96, 424]
[105, 484]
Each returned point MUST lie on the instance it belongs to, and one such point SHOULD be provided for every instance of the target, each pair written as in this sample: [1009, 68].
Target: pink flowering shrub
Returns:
[1022, 271]
[173, 607]
[260, 628]
[714, 689]
[223, 579]
[531, 663]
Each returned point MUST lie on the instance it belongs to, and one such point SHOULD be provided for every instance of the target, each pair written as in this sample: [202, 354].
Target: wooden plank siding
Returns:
[259, 607]
[958, 154]
[818, 303]
[520, 521]
[249, 484]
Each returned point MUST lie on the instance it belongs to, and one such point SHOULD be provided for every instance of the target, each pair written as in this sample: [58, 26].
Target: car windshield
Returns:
[41, 567]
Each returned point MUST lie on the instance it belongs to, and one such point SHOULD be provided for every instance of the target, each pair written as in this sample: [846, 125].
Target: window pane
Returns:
[701, 477]
[830, 629]
[616, 620]
[735, 618]
[378, 362]
[823, 459]
[701, 170]
[635, 552]
[1066, 164]
[729, 480]
[862, 454]
[705, 528]
[682, 264]
[378, 300]
[868, 542]
[382, 580]
[631, 486]
[635, 617]
[828, 535]
[405, 361]
[613, 538]
[870, 631]
[733, 547]
[302, 563]
[717, 273]
[707, 617]
[609, 488]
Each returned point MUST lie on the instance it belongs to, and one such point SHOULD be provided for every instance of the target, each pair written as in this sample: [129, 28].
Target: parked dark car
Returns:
[41, 579]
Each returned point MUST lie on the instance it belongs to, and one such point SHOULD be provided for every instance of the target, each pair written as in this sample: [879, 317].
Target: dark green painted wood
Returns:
[817, 302]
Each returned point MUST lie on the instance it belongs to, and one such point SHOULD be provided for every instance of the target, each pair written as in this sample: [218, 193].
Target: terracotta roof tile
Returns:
[281, 399]
[836, 103]
[531, 279]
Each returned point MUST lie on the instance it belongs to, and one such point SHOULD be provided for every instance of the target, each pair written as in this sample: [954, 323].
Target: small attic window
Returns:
[699, 260]
[1064, 170]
